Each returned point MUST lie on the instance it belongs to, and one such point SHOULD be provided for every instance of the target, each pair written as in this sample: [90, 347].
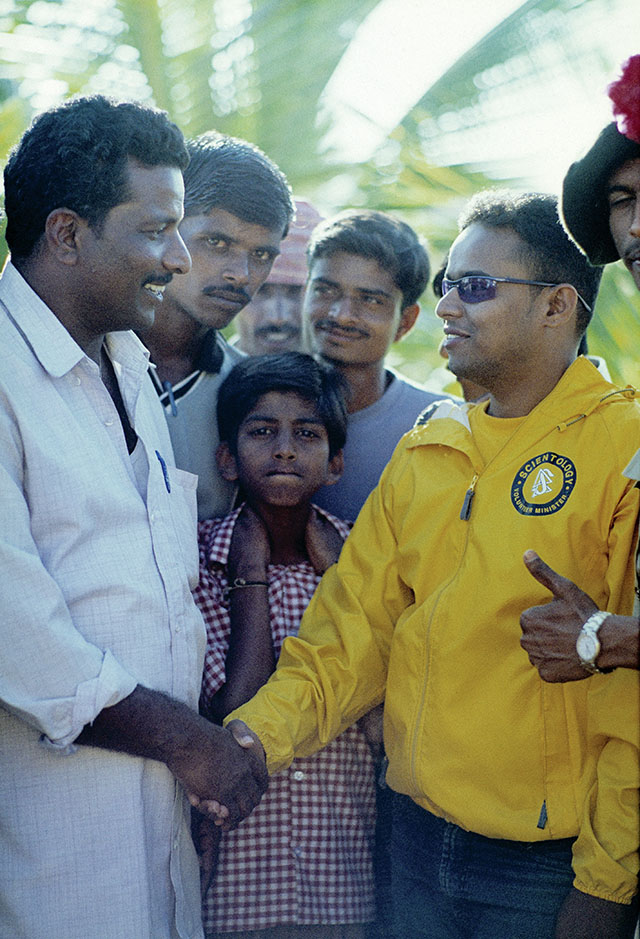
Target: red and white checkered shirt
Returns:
[304, 854]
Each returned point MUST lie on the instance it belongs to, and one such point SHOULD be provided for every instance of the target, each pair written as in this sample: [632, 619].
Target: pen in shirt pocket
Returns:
[165, 471]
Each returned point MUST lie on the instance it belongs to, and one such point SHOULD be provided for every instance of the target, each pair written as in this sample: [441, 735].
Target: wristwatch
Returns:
[588, 644]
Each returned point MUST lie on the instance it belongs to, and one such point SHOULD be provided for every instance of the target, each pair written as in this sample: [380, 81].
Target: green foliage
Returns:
[617, 318]
[258, 68]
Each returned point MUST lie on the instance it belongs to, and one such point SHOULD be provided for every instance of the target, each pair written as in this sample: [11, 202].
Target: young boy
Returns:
[303, 858]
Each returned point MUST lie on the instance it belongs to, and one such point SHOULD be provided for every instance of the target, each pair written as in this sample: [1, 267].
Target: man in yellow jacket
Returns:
[516, 814]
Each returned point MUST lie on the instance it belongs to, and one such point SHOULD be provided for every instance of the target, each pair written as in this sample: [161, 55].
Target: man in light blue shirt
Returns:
[101, 655]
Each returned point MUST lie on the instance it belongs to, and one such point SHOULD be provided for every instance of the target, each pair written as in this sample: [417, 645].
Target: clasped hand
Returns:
[230, 778]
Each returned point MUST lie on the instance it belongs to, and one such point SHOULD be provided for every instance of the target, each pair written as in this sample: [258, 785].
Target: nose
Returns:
[236, 268]
[341, 309]
[285, 449]
[177, 258]
[449, 305]
[285, 309]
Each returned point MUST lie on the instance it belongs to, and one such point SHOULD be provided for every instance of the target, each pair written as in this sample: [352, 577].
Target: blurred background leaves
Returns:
[275, 72]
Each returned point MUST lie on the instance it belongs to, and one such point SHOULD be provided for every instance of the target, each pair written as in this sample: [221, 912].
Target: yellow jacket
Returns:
[423, 610]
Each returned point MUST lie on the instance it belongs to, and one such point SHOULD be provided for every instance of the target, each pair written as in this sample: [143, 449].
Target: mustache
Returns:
[160, 279]
[274, 328]
[230, 292]
[332, 326]
[632, 251]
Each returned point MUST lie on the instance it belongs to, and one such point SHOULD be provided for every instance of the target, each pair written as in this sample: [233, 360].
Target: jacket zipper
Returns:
[465, 511]
[464, 515]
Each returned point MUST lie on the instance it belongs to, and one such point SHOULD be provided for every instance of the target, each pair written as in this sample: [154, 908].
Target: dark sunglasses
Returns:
[475, 288]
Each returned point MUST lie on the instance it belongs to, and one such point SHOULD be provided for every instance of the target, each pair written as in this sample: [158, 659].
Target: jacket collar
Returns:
[580, 391]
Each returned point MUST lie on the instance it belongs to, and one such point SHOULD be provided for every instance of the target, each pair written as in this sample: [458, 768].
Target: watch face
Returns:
[587, 647]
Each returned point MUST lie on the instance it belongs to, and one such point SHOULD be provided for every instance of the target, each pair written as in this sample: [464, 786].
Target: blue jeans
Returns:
[453, 884]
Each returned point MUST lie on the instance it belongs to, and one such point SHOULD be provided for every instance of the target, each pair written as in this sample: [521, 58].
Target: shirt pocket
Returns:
[184, 513]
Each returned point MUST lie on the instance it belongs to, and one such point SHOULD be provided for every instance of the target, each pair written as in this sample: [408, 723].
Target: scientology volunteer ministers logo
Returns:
[543, 484]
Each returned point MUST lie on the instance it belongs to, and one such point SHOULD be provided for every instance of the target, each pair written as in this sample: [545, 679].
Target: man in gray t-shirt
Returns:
[366, 273]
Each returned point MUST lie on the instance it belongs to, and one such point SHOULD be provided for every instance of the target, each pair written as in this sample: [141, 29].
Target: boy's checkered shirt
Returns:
[304, 854]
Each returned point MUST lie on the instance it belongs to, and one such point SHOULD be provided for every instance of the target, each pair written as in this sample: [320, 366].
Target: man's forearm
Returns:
[147, 723]
[206, 759]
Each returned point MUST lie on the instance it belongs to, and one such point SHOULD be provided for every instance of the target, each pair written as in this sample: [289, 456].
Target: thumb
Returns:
[243, 734]
[559, 586]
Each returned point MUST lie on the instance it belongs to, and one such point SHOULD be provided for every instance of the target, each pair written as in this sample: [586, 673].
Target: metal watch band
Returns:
[591, 627]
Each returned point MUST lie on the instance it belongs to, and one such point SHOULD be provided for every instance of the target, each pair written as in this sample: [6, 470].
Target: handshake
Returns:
[223, 770]
[230, 777]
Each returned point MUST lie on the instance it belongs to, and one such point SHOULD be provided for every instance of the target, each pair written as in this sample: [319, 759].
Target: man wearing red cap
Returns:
[569, 638]
[272, 322]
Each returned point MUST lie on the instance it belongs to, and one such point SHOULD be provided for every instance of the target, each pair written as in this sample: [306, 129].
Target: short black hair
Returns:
[236, 176]
[382, 238]
[547, 251]
[585, 197]
[294, 372]
[76, 156]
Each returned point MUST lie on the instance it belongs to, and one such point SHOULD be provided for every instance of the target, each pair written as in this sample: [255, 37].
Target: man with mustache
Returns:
[367, 271]
[238, 207]
[515, 801]
[272, 321]
[570, 637]
[102, 646]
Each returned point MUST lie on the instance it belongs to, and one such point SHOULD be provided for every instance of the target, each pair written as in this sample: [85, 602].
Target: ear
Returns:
[62, 234]
[226, 463]
[335, 468]
[407, 320]
[562, 304]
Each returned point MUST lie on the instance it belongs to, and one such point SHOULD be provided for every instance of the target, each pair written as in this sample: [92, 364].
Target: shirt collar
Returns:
[211, 354]
[52, 344]
[218, 538]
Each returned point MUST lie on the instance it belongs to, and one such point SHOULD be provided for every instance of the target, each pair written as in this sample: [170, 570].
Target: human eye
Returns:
[264, 255]
[620, 199]
[307, 433]
[155, 232]
[217, 241]
[320, 290]
[370, 299]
